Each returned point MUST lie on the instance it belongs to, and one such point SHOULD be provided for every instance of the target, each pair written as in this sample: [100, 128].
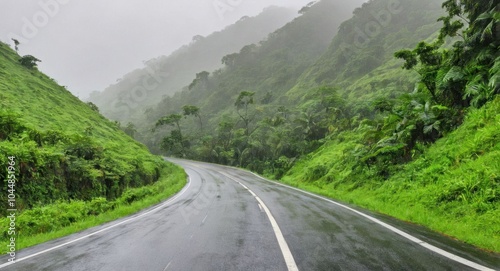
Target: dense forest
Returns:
[281, 99]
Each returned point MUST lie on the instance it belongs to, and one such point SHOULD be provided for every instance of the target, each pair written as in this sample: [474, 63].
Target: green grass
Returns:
[74, 168]
[32, 229]
[64, 149]
[452, 188]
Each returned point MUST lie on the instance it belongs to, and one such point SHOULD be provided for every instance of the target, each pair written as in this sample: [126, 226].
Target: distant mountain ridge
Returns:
[166, 75]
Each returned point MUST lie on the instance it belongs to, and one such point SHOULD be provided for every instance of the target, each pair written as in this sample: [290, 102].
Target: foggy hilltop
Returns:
[165, 75]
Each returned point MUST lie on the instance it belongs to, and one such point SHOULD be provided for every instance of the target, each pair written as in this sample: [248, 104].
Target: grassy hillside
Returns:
[452, 188]
[66, 151]
[417, 145]
[166, 75]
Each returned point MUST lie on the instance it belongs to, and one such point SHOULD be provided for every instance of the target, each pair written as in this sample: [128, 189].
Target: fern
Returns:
[455, 74]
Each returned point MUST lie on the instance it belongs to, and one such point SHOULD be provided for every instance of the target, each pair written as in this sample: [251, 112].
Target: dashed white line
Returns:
[101, 230]
[203, 222]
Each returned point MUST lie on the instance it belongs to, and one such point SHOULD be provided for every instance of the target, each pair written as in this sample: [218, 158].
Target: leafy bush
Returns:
[29, 61]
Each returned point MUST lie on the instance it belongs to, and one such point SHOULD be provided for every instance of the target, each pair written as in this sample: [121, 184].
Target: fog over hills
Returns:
[166, 75]
[103, 40]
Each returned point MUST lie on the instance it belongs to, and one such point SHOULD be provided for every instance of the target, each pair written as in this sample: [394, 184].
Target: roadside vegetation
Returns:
[48, 222]
[452, 187]
[71, 163]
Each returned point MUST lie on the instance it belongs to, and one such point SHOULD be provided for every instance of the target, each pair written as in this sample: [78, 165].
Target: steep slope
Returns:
[452, 188]
[287, 98]
[372, 35]
[365, 46]
[169, 74]
[63, 148]
[426, 150]
[267, 69]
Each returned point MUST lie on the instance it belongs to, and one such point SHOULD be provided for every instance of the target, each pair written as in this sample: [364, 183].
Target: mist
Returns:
[88, 45]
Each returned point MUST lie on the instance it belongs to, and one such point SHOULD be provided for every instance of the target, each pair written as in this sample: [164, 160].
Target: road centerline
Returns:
[285, 250]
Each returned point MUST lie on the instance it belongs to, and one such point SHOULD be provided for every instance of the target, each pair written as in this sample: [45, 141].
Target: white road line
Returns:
[203, 222]
[167, 266]
[102, 230]
[393, 229]
[285, 250]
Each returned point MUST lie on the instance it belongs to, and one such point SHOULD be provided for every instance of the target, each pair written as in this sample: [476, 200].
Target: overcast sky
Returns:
[88, 44]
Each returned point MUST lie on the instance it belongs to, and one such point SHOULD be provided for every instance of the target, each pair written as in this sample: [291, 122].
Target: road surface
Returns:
[229, 219]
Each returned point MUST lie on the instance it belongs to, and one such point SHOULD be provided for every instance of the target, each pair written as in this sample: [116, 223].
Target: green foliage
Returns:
[16, 44]
[262, 125]
[29, 61]
[62, 214]
[172, 120]
[201, 80]
[130, 129]
[93, 106]
[452, 186]
[460, 76]
[191, 110]
[64, 149]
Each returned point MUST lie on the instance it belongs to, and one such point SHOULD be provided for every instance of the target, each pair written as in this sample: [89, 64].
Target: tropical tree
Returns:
[175, 139]
[16, 44]
[467, 74]
[244, 100]
[200, 80]
[29, 61]
[191, 110]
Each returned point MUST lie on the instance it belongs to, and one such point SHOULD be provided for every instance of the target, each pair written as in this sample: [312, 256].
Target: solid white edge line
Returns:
[391, 228]
[101, 230]
[285, 250]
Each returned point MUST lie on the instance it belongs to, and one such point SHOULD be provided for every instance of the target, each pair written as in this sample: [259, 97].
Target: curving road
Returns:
[229, 219]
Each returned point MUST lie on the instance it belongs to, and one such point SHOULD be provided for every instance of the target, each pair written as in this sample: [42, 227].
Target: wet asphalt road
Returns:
[217, 222]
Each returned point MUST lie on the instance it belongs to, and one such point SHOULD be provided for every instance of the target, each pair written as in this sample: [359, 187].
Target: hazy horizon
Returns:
[84, 48]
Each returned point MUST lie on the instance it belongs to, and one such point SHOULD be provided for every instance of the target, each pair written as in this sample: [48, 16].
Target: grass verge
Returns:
[46, 223]
[464, 229]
